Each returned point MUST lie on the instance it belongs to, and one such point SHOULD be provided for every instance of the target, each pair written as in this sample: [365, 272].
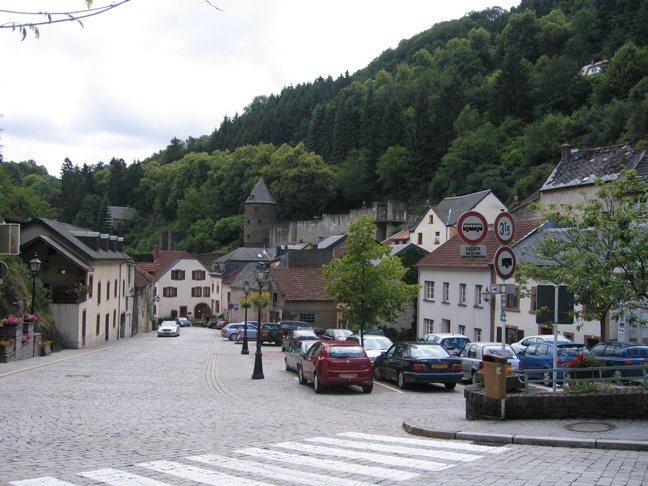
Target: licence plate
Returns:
[439, 366]
[348, 375]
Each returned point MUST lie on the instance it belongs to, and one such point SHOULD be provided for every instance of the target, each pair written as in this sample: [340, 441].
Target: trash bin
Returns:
[494, 376]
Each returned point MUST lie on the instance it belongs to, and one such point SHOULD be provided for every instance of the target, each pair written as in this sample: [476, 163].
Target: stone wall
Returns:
[540, 404]
[21, 338]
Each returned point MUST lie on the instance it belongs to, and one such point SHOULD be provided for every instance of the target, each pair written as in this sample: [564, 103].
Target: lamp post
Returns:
[261, 278]
[34, 266]
[246, 290]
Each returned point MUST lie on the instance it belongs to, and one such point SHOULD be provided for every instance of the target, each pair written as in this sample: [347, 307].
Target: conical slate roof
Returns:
[260, 194]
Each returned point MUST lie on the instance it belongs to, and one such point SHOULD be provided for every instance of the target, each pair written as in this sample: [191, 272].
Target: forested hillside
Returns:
[481, 102]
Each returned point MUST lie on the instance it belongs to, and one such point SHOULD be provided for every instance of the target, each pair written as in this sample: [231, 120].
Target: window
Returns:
[310, 318]
[98, 292]
[177, 274]
[196, 291]
[429, 290]
[462, 294]
[428, 326]
[205, 291]
[115, 291]
[513, 301]
[479, 298]
[107, 291]
[431, 219]
[198, 275]
[90, 284]
[446, 292]
[170, 292]
[98, 324]
[462, 329]
[420, 238]
[533, 305]
[477, 335]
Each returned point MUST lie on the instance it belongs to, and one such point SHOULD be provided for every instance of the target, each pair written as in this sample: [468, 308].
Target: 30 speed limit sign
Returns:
[504, 228]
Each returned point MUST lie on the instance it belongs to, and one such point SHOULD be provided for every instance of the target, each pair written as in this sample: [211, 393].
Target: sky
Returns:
[129, 80]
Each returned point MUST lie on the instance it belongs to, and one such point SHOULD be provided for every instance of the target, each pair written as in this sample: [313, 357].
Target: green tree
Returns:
[598, 249]
[365, 280]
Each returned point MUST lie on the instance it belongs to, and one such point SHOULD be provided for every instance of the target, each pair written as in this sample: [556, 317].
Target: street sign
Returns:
[472, 251]
[504, 262]
[472, 227]
[504, 228]
[502, 289]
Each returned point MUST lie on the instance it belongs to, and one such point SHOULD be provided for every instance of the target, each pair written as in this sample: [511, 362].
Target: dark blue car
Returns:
[539, 356]
[618, 354]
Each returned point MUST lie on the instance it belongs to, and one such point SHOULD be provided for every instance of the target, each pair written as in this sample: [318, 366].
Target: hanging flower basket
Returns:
[12, 320]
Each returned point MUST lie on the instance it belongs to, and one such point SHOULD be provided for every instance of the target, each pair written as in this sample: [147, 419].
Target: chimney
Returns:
[565, 152]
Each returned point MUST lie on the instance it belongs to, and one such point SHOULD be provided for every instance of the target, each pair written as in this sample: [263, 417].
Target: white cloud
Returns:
[151, 70]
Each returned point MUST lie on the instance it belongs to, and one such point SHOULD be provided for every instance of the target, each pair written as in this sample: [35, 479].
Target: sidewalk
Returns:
[631, 434]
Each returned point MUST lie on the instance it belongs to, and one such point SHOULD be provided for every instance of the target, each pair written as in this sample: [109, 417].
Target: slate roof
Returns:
[300, 284]
[582, 166]
[448, 255]
[260, 194]
[331, 241]
[451, 208]
[245, 254]
[525, 249]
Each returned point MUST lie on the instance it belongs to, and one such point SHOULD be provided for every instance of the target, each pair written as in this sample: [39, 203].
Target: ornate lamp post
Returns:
[246, 304]
[261, 278]
[34, 266]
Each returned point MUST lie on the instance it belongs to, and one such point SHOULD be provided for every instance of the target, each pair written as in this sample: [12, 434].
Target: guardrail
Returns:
[574, 376]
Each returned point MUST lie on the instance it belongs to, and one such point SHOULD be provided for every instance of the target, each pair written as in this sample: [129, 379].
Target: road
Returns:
[179, 411]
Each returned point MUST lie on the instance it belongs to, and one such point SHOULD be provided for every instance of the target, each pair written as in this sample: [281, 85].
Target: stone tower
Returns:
[260, 210]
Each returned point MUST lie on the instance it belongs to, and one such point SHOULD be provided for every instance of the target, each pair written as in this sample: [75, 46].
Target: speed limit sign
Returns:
[504, 228]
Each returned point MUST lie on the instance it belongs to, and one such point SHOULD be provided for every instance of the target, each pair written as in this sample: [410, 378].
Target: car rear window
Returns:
[428, 352]
[497, 351]
[346, 352]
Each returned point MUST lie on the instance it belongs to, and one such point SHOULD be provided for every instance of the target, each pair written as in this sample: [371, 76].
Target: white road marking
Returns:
[445, 444]
[325, 464]
[44, 481]
[120, 478]
[274, 472]
[199, 474]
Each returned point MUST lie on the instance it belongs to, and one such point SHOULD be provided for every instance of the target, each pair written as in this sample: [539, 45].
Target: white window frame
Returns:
[428, 326]
[446, 292]
[429, 290]
[462, 294]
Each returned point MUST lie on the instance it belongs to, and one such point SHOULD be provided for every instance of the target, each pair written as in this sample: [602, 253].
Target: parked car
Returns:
[620, 354]
[271, 333]
[450, 341]
[295, 354]
[168, 328]
[523, 343]
[183, 321]
[407, 363]
[251, 332]
[295, 335]
[539, 356]
[217, 323]
[230, 330]
[288, 325]
[336, 334]
[374, 345]
[472, 354]
[329, 363]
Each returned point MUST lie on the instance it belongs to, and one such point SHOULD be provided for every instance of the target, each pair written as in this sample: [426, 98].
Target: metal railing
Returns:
[575, 376]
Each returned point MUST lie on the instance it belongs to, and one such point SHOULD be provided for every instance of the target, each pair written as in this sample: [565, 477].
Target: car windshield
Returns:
[346, 352]
[497, 351]
[428, 352]
[569, 350]
[377, 343]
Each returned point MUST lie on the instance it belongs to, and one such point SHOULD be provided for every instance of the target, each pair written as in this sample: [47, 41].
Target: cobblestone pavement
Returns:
[184, 411]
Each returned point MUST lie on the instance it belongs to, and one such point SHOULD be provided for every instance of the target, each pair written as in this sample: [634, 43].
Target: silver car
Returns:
[471, 356]
[169, 328]
[295, 353]
[374, 346]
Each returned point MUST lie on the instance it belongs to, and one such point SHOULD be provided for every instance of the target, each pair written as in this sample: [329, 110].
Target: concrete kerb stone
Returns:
[623, 445]
[554, 441]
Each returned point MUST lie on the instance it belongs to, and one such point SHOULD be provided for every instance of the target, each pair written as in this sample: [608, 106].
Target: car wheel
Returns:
[302, 378]
[317, 386]
[450, 386]
[474, 378]
[400, 380]
[547, 378]
[377, 374]
[232, 337]
[367, 388]
[287, 367]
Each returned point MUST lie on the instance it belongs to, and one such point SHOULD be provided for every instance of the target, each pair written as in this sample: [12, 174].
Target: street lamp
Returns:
[34, 266]
[261, 278]
[246, 289]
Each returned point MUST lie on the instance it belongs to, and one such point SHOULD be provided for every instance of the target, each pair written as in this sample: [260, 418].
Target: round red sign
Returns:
[472, 227]
[504, 228]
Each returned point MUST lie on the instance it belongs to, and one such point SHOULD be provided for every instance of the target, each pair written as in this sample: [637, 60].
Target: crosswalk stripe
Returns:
[44, 481]
[199, 474]
[274, 472]
[324, 464]
[409, 451]
[368, 456]
[116, 477]
[426, 442]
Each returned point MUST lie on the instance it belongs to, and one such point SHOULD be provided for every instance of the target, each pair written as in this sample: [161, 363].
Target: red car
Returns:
[336, 363]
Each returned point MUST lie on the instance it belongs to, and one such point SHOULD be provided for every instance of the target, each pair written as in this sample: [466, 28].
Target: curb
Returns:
[616, 444]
